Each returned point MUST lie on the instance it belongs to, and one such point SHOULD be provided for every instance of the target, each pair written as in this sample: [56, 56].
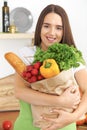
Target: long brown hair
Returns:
[67, 34]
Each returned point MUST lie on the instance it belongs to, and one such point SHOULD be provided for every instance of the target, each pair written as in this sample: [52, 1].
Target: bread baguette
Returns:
[15, 62]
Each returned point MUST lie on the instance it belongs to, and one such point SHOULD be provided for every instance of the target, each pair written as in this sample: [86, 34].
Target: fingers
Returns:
[57, 111]
[48, 119]
[53, 124]
[73, 89]
[53, 127]
[76, 104]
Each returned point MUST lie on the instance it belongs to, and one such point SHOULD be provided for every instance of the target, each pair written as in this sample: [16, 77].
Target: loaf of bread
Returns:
[15, 62]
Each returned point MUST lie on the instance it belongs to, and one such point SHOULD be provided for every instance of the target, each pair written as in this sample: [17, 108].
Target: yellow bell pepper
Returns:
[49, 68]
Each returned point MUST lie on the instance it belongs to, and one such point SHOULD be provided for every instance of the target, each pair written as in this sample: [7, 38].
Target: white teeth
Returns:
[50, 39]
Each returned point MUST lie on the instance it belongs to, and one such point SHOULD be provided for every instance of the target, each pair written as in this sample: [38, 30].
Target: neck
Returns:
[43, 47]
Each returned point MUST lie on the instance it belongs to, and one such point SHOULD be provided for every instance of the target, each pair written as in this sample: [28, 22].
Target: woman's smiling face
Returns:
[52, 30]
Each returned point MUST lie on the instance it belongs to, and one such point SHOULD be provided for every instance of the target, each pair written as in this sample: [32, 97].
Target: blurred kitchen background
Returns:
[76, 10]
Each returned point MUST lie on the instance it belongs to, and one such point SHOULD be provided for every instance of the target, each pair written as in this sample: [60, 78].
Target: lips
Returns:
[50, 39]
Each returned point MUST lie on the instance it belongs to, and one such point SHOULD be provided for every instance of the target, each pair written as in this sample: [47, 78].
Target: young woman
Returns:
[52, 26]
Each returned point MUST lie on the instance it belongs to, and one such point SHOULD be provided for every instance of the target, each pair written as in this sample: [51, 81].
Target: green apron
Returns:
[25, 121]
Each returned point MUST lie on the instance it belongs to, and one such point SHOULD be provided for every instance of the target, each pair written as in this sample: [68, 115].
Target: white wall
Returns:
[76, 10]
[10, 45]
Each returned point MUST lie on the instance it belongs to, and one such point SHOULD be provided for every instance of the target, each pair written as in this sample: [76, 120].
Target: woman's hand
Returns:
[64, 119]
[70, 98]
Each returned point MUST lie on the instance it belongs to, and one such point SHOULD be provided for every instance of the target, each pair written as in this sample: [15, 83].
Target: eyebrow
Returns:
[50, 24]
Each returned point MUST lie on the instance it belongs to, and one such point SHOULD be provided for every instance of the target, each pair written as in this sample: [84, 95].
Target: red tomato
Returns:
[86, 119]
[81, 121]
[7, 125]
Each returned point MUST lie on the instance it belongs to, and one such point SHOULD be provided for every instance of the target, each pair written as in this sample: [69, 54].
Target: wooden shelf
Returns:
[16, 36]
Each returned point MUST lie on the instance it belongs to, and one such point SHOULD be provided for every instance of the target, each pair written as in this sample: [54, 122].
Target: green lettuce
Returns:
[66, 56]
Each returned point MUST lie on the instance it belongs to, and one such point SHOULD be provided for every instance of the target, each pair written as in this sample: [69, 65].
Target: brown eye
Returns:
[60, 28]
[46, 26]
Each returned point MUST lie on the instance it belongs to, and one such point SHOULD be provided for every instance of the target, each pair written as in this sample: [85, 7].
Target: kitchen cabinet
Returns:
[16, 36]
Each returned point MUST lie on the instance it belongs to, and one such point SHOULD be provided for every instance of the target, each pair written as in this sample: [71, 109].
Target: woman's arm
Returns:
[81, 78]
[67, 99]
[66, 118]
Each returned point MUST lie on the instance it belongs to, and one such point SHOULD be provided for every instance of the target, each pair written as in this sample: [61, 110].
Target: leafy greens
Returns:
[66, 56]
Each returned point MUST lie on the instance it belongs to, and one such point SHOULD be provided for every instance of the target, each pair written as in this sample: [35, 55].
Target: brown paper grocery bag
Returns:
[55, 85]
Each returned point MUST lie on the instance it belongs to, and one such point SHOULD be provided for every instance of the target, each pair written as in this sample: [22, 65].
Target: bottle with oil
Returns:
[5, 17]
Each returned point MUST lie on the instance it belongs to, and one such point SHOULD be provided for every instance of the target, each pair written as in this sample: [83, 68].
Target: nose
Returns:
[52, 31]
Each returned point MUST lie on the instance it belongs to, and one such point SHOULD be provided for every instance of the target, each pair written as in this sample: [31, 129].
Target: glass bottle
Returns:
[5, 17]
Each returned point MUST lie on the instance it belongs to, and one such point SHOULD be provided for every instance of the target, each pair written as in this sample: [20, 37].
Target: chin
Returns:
[51, 43]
